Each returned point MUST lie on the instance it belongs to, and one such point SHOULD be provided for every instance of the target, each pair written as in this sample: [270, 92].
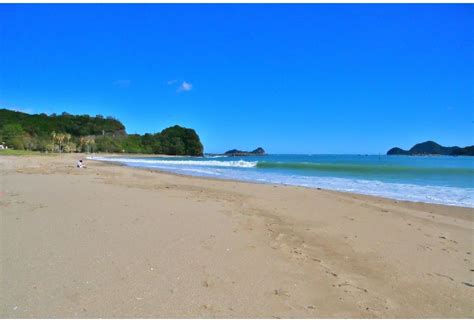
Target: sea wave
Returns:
[258, 172]
[364, 168]
[208, 163]
[215, 156]
[454, 196]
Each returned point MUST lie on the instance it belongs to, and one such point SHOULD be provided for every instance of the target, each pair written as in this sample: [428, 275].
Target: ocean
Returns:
[432, 179]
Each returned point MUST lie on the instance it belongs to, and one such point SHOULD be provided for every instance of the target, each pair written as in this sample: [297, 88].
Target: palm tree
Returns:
[90, 141]
[68, 138]
[60, 137]
[53, 135]
[86, 141]
[82, 141]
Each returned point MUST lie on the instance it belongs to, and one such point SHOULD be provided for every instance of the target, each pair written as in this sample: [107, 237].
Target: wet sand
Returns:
[116, 242]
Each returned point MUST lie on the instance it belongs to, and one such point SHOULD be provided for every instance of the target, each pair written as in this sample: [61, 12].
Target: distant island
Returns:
[235, 152]
[84, 133]
[433, 148]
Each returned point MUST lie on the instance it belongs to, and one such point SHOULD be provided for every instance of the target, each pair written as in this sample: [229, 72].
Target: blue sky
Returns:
[291, 78]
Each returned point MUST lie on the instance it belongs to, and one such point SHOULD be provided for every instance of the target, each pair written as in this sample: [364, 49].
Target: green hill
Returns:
[76, 125]
[432, 148]
[84, 133]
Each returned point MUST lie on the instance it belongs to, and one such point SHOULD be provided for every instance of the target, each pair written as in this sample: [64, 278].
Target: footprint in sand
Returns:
[280, 237]
[280, 292]
[208, 243]
[331, 273]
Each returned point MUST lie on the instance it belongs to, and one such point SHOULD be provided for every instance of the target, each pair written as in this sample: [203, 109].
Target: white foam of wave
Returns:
[211, 163]
[454, 196]
[215, 156]
[399, 191]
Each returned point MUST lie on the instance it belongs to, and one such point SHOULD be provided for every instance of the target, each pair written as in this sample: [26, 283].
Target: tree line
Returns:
[68, 133]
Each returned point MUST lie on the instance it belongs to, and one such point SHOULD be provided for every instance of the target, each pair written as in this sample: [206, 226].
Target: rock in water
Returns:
[235, 152]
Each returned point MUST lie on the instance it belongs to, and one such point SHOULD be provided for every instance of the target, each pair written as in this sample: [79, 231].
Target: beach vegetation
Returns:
[13, 152]
[83, 133]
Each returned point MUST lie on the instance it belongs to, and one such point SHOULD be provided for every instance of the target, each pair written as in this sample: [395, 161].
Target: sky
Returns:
[314, 78]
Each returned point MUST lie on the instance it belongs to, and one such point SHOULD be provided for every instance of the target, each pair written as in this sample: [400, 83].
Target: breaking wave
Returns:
[208, 163]
[338, 177]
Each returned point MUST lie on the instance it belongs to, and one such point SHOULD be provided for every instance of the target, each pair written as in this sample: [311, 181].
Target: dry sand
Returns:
[116, 242]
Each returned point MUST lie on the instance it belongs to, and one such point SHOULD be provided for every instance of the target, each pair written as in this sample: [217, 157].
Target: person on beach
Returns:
[80, 164]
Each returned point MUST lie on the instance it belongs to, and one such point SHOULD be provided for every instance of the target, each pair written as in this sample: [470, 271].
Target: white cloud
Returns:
[122, 83]
[185, 87]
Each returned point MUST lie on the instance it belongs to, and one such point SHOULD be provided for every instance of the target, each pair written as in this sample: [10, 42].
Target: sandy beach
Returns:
[116, 242]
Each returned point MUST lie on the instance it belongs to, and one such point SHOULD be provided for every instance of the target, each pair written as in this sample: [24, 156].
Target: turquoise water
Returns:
[434, 179]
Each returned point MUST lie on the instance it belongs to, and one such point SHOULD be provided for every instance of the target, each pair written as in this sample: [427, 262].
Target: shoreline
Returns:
[278, 184]
[454, 210]
[116, 241]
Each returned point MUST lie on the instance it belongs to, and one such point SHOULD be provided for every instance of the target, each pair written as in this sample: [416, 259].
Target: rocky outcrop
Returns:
[432, 148]
[235, 152]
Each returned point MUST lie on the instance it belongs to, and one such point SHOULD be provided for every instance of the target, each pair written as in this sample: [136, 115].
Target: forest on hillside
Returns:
[84, 133]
